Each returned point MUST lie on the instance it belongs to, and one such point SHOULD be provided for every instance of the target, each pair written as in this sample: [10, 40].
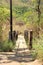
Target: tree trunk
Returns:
[39, 14]
[11, 19]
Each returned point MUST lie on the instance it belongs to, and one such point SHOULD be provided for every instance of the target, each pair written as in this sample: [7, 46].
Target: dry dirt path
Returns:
[21, 57]
[10, 59]
[21, 43]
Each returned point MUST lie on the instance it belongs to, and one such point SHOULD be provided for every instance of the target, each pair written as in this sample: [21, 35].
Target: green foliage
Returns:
[24, 1]
[25, 14]
[19, 10]
[6, 46]
[34, 54]
[29, 16]
[4, 14]
[38, 46]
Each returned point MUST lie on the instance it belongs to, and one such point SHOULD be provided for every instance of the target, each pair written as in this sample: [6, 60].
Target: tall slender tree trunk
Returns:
[11, 19]
[39, 14]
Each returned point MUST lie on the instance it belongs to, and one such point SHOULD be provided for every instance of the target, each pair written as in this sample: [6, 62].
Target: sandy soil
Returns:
[36, 62]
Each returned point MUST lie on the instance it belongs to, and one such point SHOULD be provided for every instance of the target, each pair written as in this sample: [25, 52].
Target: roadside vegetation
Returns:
[38, 48]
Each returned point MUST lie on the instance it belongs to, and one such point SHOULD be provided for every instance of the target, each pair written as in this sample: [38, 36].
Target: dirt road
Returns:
[18, 58]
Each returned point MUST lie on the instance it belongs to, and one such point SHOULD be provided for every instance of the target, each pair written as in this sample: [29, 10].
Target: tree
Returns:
[11, 19]
[39, 14]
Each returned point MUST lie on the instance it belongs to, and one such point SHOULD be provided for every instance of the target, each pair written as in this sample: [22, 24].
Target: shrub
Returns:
[34, 54]
[4, 14]
[38, 46]
[6, 46]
